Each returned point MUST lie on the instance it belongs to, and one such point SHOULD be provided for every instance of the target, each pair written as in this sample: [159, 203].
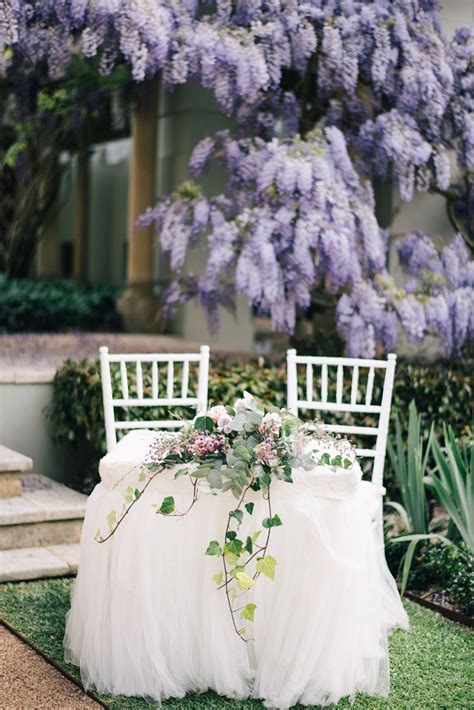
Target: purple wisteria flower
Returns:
[326, 95]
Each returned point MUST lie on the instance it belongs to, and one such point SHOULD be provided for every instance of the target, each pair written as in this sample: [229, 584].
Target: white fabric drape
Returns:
[146, 618]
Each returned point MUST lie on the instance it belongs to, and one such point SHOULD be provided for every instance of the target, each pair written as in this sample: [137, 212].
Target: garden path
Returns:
[28, 682]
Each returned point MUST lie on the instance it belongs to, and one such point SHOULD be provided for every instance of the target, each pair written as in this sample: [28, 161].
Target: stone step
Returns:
[46, 513]
[12, 465]
[37, 562]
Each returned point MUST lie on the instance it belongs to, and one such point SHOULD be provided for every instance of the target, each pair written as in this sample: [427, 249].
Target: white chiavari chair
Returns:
[353, 393]
[169, 374]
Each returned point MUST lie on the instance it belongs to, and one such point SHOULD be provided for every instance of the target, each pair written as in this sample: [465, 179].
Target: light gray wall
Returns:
[25, 428]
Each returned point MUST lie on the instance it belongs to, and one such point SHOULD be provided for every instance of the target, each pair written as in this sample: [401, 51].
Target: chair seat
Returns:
[129, 453]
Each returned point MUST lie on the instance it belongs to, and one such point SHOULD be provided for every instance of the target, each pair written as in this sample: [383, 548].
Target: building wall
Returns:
[187, 115]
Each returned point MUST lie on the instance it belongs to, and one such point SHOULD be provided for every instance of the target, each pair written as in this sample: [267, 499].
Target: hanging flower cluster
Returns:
[299, 217]
[354, 61]
[438, 299]
[378, 81]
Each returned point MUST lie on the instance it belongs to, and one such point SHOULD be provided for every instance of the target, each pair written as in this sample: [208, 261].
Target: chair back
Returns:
[356, 398]
[168, 375]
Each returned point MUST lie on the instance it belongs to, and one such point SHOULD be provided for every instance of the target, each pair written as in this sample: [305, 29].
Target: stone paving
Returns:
[28, 682]
[40, 530]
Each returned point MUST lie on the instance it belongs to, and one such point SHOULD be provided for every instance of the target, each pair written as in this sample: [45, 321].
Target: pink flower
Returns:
[224, 424]
[266, 455]
[202, 444]
[270, 425]
[217, 412]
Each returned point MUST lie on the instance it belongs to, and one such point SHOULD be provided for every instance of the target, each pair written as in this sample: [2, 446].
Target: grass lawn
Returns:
[432, 664]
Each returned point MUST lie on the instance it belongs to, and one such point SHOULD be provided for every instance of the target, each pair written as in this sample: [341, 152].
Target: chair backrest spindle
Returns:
[355, 405]
[173, 396]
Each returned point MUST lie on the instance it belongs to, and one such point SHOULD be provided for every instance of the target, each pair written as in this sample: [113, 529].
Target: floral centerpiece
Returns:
[240, 449]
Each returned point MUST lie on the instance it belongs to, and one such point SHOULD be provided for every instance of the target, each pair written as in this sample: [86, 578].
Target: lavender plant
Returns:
[326, 94]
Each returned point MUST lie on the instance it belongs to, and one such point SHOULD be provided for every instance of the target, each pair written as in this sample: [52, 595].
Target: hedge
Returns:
[442, 392]
[46, 306]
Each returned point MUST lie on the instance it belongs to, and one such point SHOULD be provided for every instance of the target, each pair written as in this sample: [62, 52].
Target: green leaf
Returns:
[249, 508]
[237, 514]
[325, 458]
[347, 463]
[181, 472]
[234, 546]
[248, 611]
[242, 452]
[238, 422]
[337, 461]
[231, 535]
[266, 565]
[214, 548]
[141, 477]
[249, 545]
[128, 495]
[244, 580]
[256, 535]
[218, 578]
[112, 520]
[236, 570]
[231, 558]
[273, 522]
[137, 493]
[167, 506]
[204, 424]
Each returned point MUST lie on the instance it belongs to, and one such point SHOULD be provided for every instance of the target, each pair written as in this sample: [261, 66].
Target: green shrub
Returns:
[77, 417]
[461, 585]
[439, 567]
[47, 306]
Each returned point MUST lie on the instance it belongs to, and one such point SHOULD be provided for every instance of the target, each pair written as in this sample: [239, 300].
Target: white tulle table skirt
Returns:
[147, 620]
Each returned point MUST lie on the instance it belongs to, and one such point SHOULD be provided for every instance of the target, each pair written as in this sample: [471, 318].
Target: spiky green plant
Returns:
[409, 463]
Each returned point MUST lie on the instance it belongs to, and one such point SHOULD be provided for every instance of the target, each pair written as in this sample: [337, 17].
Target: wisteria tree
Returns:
[327, 95]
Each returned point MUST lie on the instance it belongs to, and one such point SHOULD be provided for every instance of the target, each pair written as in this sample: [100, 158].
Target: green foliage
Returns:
[441, 567]
[28, 305]
[409, 462]
[77, 416]
[214, 548]
[167, 506]
[452, 481]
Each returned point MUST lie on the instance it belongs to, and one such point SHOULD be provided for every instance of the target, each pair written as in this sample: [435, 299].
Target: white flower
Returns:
[217, 412]
[247, 403]
[224, 424]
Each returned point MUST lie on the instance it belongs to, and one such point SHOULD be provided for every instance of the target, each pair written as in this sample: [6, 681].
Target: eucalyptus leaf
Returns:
[181, 472]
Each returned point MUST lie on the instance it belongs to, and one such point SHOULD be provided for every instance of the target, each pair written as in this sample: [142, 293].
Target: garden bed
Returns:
[439, 601]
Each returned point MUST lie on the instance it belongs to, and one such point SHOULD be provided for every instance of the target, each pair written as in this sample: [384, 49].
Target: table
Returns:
[147, 618]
